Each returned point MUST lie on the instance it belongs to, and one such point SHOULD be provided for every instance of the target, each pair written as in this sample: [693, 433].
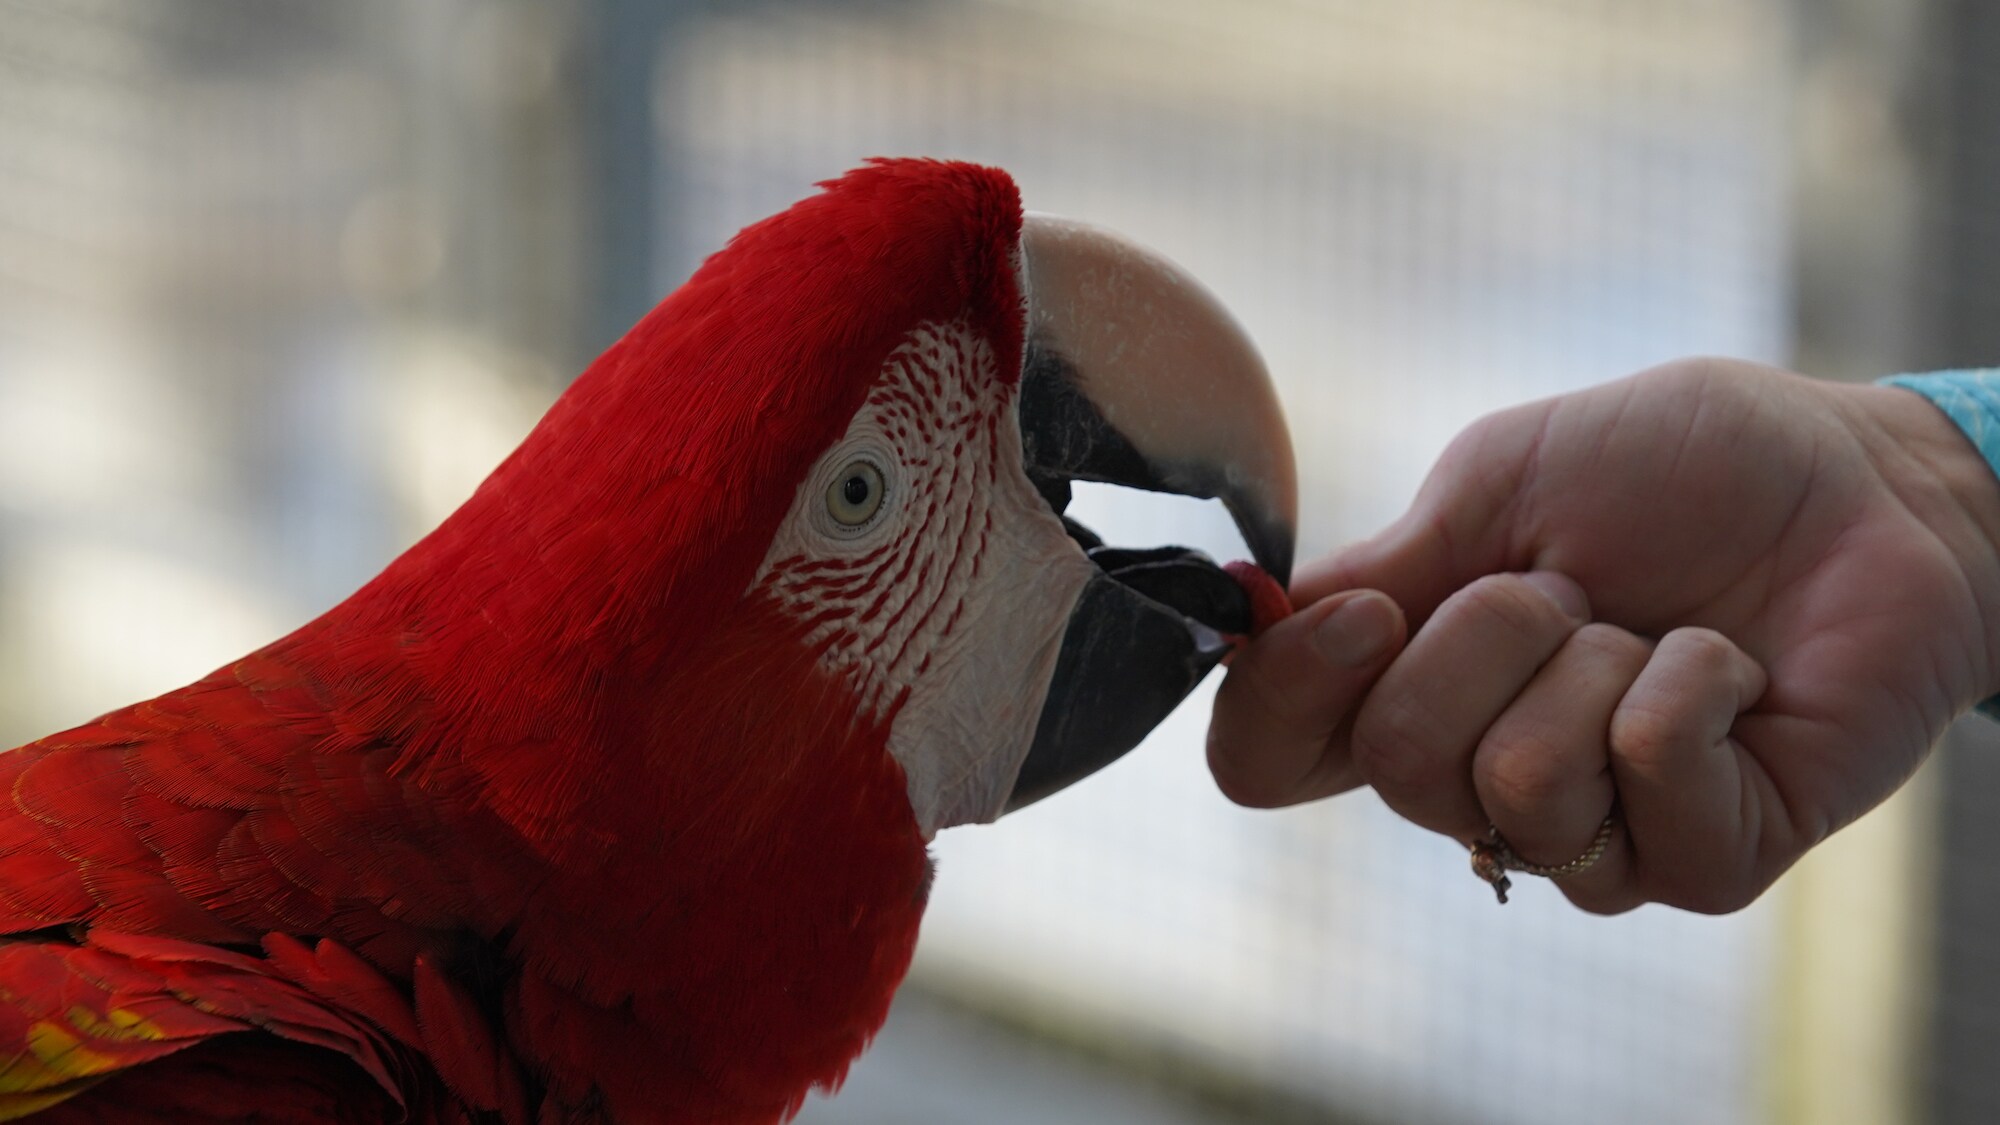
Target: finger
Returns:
[1615, 890]
[1687, 789]
[1270, 737]
[1461, 527]
[1415, 733]
[1543, 771]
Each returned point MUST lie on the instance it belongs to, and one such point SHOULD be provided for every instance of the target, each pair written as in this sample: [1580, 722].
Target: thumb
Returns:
[1462, 526]
[1413, 561]
[1271, 738]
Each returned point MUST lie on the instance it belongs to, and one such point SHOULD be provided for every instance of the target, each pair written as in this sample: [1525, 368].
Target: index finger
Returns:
[1270, 739]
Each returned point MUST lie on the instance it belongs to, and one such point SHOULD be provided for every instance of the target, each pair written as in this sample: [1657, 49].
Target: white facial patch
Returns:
[945, 598]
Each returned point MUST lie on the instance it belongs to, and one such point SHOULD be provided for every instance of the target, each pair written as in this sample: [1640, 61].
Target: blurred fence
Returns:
[280, 279]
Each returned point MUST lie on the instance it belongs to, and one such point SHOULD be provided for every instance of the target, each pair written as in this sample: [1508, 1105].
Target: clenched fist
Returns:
[1736, 605]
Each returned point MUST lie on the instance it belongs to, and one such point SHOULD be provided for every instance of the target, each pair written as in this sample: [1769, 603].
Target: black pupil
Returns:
[855, 491]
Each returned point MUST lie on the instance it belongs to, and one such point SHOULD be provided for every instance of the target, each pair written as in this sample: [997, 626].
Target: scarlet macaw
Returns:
[609, 800]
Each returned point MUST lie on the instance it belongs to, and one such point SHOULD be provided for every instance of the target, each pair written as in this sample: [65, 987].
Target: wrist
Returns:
[1942, 478]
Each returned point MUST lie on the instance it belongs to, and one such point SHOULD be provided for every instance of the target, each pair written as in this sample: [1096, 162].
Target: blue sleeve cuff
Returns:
[1971, 399]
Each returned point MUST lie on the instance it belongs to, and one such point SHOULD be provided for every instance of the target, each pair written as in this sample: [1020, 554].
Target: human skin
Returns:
[1736, 604]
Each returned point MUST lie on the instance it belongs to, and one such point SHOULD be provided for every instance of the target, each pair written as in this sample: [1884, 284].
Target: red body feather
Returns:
[553, 816]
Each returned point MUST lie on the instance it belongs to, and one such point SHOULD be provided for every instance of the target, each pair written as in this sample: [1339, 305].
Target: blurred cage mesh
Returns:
[279, 280]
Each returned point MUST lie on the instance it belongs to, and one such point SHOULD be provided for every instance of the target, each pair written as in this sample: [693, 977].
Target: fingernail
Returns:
[1358, 632]
[1563, 591]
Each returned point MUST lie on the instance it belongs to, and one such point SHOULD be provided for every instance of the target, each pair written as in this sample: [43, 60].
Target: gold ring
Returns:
[1493, 857]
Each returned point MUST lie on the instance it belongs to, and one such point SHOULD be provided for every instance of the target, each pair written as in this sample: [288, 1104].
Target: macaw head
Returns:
[989, 359]
[856, 427]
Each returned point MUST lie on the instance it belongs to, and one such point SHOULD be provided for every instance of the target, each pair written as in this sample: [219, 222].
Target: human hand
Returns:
[1735, 604]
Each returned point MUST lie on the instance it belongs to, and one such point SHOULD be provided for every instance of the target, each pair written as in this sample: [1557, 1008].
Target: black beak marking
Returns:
[1065, 438]
[1151, 624]
[1126, 662]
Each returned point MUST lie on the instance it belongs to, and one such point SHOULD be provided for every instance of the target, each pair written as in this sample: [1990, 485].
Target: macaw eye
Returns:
[855, 495]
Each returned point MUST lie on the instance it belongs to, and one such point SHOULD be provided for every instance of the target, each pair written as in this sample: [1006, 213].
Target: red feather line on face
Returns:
[878, 616]
[554, 738]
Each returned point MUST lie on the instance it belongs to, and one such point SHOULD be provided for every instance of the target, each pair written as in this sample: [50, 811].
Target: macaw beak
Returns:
[1135, 375]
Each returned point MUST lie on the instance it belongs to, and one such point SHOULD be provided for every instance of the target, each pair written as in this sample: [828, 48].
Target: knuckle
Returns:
[1522, 771]
[1612, 645]
[1692, 372]
[1391, 748]
[1704, 651]
[1646, 736]
[1468, 448]
[1705, 375]
[1513, 605]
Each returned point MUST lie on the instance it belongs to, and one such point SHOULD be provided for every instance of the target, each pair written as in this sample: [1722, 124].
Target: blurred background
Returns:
[281, 279]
